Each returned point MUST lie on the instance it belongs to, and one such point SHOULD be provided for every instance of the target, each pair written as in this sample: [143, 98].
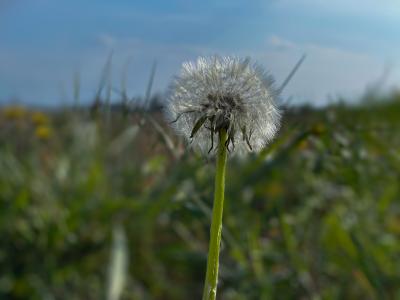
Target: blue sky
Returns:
[43, 43]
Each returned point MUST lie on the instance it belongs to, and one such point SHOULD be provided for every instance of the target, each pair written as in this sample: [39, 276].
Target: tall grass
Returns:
[315, 216]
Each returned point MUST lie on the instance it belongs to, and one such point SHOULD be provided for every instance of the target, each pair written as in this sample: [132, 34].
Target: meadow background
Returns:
[94, 197]
[99, 199]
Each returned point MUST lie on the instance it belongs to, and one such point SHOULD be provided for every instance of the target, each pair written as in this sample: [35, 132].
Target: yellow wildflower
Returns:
[274, 189]
[14, 112]
[39, 118]
[43, 132]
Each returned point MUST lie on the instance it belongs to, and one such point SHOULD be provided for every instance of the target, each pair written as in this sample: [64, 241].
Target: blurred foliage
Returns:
[314, 216]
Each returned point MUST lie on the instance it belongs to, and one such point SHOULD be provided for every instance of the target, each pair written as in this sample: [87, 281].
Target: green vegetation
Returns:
[315, 216]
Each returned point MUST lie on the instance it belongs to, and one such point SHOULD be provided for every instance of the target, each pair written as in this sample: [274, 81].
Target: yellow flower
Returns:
[303, 145]
[43, 132]
[274, 189]
[14, 112]
[39, 118]
[319, 128]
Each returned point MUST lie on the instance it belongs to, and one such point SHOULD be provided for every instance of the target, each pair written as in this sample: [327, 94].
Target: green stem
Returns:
[210, 285]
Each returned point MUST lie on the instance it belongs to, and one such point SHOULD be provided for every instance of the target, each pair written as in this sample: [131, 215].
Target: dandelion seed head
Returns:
[224, 93]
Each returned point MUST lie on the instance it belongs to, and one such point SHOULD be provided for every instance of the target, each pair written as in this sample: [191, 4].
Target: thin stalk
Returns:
[210, 285]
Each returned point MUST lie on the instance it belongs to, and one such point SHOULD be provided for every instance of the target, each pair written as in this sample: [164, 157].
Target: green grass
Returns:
[314, 216]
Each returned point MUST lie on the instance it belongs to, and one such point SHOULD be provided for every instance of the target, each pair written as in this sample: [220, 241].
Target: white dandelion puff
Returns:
[224, 93]
[226, 104]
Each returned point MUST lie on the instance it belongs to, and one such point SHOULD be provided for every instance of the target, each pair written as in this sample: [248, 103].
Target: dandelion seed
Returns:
[224, 93]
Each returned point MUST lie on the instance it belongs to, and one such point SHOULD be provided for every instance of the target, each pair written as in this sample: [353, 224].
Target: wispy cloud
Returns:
[327, 71]
[347, 42]
[388, 8]
[280, 44]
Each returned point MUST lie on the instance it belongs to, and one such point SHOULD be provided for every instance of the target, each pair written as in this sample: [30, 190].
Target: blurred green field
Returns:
[314, 216]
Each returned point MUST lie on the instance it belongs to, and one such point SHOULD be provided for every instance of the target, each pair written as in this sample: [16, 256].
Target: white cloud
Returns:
[279, 43]
[387, 8]
[106, 40]
[327, 71]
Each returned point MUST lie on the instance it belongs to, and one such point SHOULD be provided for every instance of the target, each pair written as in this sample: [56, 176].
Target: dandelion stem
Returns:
[210, 285]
